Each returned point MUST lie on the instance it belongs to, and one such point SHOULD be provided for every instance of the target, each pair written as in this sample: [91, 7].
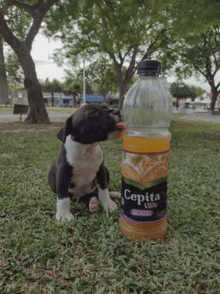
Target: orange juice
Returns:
[144, 184]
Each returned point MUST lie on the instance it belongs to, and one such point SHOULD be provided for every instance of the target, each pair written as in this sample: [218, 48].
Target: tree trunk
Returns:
[123, 87]
[3, 79]
[52, 97]
[213, 99]
[37, 113]
[74, 99]
[177, 102]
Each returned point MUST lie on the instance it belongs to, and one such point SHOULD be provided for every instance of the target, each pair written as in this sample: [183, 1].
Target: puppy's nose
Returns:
[122, 127]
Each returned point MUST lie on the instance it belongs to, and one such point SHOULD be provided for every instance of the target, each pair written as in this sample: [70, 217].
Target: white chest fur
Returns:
[85, 160]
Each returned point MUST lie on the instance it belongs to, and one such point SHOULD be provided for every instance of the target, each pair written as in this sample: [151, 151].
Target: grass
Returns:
[9, 109]
[89, 255]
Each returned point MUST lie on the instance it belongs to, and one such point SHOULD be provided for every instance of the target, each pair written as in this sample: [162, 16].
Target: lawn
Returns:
[9, 109]
[89, 255]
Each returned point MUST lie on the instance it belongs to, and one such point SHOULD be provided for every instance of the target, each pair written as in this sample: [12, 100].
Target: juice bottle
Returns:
[146, 146]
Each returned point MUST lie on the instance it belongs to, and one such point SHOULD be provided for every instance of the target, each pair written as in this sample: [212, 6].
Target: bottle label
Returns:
[144, 186]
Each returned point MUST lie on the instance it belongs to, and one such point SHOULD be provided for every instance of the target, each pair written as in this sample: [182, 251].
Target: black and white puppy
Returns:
[79, 169]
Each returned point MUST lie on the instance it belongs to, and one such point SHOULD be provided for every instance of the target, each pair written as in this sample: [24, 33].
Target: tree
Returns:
[52, 87]
[22, 12]
[72, 86]
[195, 16]
[179, 90]
[3, 79]
[195, 92]
[200, 54]
[74, 79]
[101, 73]
[125, 31]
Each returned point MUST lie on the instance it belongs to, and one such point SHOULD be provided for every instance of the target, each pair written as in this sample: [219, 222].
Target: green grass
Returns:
[9, 109]
[89, 255]
[61, 109]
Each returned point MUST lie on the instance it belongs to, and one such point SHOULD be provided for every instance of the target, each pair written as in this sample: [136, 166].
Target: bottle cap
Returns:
[148, 67]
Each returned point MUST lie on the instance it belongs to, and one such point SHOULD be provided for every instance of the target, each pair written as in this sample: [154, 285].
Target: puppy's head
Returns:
[91, 123]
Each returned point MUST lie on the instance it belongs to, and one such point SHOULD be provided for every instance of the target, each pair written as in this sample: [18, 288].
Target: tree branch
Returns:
[10, 38]
[217, 86]
[146, 55]
[37, 12]
[131, 68]
[28, 8]
[34, 29]
[117, 66]
[38, 15]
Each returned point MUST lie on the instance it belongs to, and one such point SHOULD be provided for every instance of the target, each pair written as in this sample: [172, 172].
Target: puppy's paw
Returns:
[94, 204]
[110, 206]
[64, 217]
[115, 195]
[63, 210]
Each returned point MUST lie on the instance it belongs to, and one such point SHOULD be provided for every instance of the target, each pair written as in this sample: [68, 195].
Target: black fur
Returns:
[89, 124]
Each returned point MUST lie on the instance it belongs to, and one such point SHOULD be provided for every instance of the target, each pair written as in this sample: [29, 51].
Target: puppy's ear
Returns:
[60, 134]
[66, 130]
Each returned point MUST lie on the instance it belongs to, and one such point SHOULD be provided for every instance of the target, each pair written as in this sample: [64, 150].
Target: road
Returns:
[200, 116]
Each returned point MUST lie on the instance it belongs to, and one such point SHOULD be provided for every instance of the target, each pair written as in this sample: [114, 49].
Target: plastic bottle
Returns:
[146, 146]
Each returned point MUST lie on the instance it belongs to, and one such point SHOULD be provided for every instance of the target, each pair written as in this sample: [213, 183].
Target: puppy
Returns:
[79, 170]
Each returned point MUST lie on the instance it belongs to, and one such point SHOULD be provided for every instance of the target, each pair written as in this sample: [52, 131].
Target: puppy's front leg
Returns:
[63, 210]
[108, 204]
[63, 201]
[103, 191]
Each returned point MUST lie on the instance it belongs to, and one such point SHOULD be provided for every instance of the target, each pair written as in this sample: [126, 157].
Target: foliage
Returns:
[51, 86]
[181, 90]
[73, 81]
[199, 54]
[15, 74]
[73, 87]
[19, 21]
[89, 255]
[123, 32]
[196, 92]
[101, 74]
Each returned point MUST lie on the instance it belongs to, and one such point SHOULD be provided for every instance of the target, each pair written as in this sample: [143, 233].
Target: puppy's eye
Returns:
[116, 112]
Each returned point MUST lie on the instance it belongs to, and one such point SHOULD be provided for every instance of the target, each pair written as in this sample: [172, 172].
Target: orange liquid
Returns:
[142, 231]
[145, 144]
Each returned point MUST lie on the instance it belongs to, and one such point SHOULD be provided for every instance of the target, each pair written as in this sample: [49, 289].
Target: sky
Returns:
[43, 49]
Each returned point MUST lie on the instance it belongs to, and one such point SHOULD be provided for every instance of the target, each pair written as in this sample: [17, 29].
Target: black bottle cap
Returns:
[148, 67]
